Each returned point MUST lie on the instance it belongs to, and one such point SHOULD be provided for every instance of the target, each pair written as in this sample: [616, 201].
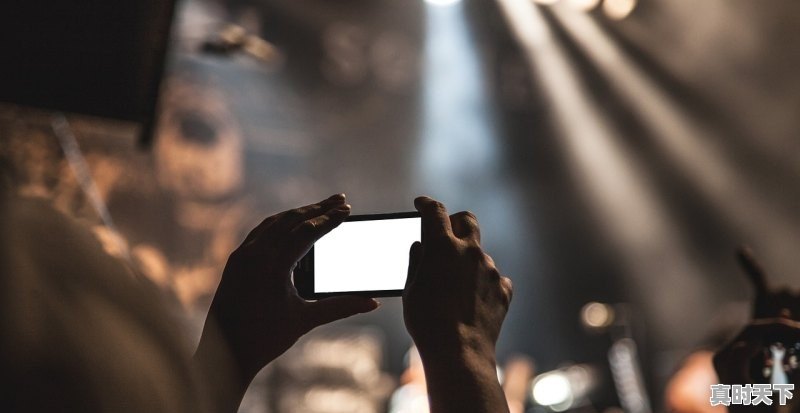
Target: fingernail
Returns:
[337, 197]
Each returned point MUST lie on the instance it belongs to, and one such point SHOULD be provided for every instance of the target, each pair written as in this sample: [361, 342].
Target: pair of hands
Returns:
[454, 302]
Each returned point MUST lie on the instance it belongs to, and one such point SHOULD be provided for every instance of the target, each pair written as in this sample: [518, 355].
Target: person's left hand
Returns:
[257, 309]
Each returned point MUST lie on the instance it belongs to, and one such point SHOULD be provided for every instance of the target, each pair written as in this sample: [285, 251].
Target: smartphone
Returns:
[366, 255]
[776, 362]
[777, 346]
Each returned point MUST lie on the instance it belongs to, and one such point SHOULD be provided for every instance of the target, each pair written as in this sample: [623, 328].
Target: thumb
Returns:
[336, 308]
[414, 257]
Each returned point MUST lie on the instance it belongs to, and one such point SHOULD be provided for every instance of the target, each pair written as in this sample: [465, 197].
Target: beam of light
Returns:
[623, 202]
[459, 153]
[689, 146]
[460, 159]
[458, 130]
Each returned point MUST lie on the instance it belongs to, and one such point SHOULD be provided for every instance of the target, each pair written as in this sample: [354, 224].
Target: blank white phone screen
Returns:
[365, 255]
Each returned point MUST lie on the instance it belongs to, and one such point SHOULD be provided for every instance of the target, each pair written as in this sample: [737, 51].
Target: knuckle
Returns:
[474, 253]
[468, 216]
[295, 213]
[508, 288]
[298, 213]
[286, 218]
[489, 260]
[306, 227]
[437, 206]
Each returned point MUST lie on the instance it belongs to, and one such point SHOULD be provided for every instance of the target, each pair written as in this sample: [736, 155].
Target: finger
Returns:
[414, 259]
[753, 270]
[291, 218]
[336, 308]
[465, 226]
[435, 222]
[293, 215]
[305, 234]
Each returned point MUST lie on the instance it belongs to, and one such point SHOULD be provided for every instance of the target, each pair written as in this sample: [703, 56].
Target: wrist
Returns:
[463, 352]
[461, 345]
[224, 374]
[465, 359]
[463, 378]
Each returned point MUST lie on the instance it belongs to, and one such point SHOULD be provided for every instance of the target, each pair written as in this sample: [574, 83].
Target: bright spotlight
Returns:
[619, 9]
[584, 5]
[564, 388]
[552, 389]
[442, 2]
[597, 315]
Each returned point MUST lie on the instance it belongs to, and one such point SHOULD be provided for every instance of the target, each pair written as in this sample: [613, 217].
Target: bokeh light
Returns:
[597, 315]
[552, 389]
[619, 9]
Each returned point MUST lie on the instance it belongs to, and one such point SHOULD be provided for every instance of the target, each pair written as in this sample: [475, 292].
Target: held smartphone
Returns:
[366, 255]
[776, 362]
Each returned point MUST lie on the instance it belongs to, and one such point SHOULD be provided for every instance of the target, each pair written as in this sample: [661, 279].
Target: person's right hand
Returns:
[454, 304]
[455, 299]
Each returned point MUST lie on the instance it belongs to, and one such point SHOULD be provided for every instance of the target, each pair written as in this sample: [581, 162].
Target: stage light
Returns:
[692, 148]
[584, 5]
[456, 109]
[442, 2]
[619, 9]
[597, 315]
[552, 389]
[612, 177]
[564, 388]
